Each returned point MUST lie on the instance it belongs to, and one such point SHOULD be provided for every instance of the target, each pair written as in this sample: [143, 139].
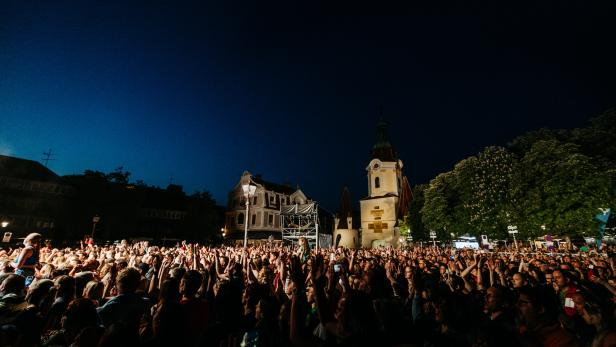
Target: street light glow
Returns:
[249, 191]
[4, 224]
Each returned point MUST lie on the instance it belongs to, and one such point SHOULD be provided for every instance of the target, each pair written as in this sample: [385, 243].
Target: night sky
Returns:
[201, 93]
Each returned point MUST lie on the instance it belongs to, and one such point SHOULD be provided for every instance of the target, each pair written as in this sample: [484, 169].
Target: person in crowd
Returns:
[79, 325]
[127, 308]
[196, 310]
[276, 295]
[28, 260]
[538, 314]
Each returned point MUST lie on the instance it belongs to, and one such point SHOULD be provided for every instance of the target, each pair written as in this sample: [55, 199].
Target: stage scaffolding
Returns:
[300, 221]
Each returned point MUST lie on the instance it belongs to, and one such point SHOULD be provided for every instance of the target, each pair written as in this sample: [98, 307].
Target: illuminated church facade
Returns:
[389, 195]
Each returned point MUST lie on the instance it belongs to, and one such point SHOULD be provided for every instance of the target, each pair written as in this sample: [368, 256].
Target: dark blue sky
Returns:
[202, 93]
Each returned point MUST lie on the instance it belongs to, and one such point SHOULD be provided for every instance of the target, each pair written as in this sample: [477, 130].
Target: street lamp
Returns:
[95, 220]
[249, 190]
[6, 236]
[433, 237]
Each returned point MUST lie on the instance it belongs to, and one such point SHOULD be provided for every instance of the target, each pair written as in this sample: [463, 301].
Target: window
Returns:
[240, 218]
[270, 219]
[254, 219]
[254, 200]
[377, 182]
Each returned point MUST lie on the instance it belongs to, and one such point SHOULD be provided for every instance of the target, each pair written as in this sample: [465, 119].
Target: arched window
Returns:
[240, 218]
[377, 182]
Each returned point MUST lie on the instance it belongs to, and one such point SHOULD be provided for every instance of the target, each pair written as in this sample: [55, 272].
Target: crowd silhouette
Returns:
[274, 295]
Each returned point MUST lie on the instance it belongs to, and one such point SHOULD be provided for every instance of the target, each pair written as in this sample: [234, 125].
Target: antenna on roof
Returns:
[47, 157]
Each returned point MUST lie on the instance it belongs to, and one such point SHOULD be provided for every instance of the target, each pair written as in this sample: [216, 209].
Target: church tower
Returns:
[380, 209]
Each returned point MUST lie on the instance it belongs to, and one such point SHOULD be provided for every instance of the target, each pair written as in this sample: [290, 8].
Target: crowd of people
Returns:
[276, 295]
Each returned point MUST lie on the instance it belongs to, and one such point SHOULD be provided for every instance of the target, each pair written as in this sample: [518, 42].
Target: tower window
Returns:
[240, 218]
[377, 182]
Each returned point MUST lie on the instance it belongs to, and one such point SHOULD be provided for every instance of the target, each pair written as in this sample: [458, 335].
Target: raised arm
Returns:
[299, 302]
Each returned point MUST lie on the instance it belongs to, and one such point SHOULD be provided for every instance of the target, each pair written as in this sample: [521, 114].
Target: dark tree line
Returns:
[134, 209]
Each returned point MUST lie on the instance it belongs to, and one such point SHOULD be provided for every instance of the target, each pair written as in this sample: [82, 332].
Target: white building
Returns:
[264, 213]
[382, 208]
[346, 233]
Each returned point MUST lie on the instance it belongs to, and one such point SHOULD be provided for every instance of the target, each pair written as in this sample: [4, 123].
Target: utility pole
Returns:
[47, 157]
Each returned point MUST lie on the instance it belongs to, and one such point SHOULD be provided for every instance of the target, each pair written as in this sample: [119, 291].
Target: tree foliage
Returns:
[552, 178]
[413, 221]
[560, 188]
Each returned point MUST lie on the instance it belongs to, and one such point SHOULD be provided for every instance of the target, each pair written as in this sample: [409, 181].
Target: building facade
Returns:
[380, 209]
[32, 197]
[346, 232]
[264, 209]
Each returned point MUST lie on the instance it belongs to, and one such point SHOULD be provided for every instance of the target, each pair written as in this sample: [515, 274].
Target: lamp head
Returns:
[249, 190]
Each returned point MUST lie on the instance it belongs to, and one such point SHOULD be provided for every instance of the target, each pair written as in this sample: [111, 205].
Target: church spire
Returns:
[345, 209]
[382, 149]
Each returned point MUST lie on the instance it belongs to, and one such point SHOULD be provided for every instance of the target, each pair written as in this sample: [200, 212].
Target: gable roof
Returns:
[275, 187]
[25, 169]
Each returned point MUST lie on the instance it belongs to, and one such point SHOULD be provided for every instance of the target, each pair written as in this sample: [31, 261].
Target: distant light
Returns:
[4, 224]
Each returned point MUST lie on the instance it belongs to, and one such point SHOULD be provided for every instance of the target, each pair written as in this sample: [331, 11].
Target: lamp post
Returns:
[95, 220]
[249, 191]
[512, 229]
[6, 237]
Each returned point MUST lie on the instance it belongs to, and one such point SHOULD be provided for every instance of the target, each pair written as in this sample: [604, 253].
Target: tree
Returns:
[95, 175]
[413, 220]
[557, 186]
[489, 185]
[119, 176]
[437, 212]
[598, 139]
